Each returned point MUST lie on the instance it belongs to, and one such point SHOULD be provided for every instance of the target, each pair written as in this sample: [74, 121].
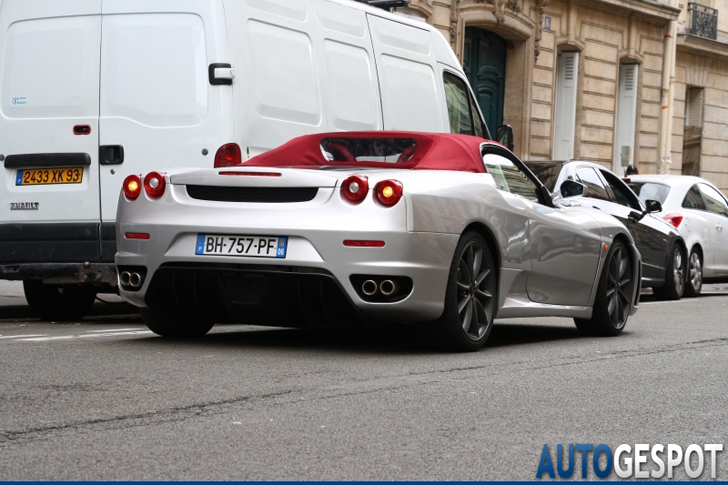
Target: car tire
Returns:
[470, 297]
[58, 302]
[674, 286]
[174, 324]
[694, 280]
[613, 301]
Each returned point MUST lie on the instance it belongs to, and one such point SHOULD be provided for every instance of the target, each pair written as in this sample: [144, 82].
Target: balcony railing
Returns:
[703, 21]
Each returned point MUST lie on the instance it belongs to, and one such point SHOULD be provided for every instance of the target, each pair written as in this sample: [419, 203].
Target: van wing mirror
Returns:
[653, 206]
[504, 136]
[572, 188]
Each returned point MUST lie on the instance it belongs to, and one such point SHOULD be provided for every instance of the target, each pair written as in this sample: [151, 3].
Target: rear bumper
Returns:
[62, 252]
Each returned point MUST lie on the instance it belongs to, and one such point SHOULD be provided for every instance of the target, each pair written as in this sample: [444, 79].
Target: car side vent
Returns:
[262, 195]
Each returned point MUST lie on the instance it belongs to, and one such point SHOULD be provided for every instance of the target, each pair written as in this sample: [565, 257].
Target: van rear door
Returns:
[158, 109]
[49, 104]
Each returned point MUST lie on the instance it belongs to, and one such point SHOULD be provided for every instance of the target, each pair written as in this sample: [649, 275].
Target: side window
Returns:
[478, 123]
[458, 105]
[714, 200]
[622, 194]
[693, 199]
[509, 177]
[589, 177]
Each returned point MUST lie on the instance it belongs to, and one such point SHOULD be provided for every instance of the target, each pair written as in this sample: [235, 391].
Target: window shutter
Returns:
[695, 107]
[565, 109]
[626, 116]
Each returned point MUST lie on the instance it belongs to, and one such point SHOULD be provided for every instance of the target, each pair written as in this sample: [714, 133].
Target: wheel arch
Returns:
[489, 237]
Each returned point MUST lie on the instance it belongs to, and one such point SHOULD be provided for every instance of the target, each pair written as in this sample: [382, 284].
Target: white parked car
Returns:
[700, 211]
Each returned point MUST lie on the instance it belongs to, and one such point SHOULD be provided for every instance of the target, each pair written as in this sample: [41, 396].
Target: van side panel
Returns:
[412, 94]
[49, 78]
[302, 66]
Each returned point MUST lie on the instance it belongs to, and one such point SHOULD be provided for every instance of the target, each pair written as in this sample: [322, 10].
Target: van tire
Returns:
[58, 302]
[173, 324]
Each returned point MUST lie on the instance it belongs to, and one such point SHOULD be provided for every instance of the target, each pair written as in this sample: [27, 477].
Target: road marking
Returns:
[30, 338]
[109, 330]
[21, 336]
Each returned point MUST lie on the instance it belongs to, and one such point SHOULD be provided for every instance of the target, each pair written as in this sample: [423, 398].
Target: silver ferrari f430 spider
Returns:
[351, 228]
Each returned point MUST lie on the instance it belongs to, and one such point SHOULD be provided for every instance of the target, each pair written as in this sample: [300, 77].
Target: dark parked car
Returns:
[664, 254]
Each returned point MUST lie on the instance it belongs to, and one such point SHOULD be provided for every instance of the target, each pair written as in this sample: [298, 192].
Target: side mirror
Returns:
[653, 206]
[504, 136]
[572, 188]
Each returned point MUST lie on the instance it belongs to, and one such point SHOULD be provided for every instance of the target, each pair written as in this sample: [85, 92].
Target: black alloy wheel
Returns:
[470, 299]
[614, 295]
[694, 283]
[674, 286]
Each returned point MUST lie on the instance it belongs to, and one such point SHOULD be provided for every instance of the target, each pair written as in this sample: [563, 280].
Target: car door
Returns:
[718, 216]
[648, 232]
[49, 78]
[565, 243]
[159, 108]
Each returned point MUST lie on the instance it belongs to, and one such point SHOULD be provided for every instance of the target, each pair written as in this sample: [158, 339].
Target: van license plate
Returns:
[250, 246]
[49, 176]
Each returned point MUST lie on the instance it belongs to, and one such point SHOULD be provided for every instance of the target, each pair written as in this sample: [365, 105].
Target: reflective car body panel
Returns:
[653, 236]
[549, 259]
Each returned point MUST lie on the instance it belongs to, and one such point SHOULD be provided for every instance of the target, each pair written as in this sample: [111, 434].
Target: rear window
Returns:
[650, 191]
[383, 150]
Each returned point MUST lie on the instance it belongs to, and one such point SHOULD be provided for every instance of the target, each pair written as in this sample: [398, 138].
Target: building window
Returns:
[692, 138]
[626, 117]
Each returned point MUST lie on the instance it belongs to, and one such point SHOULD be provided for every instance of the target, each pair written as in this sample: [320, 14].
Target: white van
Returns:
[93, 90]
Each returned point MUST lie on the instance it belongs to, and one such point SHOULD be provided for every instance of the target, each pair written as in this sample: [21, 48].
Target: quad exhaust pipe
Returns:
[369, 287]
[130, 279]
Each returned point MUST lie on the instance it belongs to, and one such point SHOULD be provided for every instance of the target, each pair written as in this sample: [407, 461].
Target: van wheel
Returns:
[58, 302]
[674, 286]
[174, 324]
[614, 295]
[470, 298]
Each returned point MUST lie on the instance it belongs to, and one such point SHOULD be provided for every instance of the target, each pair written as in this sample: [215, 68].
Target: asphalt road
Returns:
[105, 399]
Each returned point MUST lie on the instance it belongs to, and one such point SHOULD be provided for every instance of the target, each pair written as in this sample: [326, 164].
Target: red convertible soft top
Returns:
[398, 149]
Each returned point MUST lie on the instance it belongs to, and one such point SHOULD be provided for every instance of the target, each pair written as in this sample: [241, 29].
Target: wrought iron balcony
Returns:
[703, 21]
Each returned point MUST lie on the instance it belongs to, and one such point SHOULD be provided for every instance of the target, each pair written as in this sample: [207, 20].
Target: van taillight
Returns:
[132, 186]
[228, 156]
[154, 184]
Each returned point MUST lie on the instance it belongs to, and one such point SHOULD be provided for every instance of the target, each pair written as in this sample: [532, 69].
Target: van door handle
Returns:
[719, 227]
[111, 154]
[220, 74]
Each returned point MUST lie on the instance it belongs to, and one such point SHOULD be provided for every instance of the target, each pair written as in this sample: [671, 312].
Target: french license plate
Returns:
[48, 176]
[250, 246]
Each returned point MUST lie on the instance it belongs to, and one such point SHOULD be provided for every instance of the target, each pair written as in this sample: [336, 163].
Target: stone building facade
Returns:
[596, 80]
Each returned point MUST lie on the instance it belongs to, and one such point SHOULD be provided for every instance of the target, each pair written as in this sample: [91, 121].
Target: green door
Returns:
[485, 65]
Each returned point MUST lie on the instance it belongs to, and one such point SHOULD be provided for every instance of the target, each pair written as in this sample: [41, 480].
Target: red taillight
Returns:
[154, 184]
[228, 156]
[356, 243]
[132, 186]
[388, 192]
[136, 235]
[674, 218]
[355, 188]
[253, 174]
[626, 180]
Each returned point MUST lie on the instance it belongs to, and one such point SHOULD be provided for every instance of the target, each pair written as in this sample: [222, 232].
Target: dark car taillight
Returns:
[154, 184]
[355, 188]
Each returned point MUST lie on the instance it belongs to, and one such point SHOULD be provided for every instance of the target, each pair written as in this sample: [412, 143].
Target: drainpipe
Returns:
[668, 95]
